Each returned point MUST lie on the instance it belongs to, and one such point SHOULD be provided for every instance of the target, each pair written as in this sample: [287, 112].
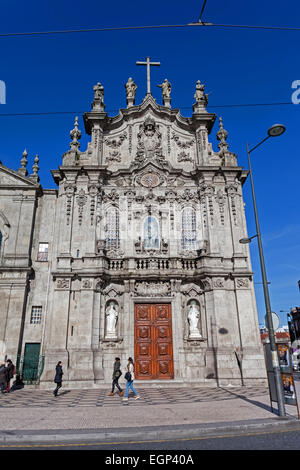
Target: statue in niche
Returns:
[111, 320]
[166, 88]
[193, 319]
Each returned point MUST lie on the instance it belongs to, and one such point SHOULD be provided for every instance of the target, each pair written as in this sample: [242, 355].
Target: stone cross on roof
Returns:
[148, 63]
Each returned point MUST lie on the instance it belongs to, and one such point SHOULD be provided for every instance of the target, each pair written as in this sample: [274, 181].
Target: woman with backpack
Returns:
[129, 376]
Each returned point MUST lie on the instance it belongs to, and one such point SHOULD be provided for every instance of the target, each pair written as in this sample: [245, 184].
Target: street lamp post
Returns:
[274, 131]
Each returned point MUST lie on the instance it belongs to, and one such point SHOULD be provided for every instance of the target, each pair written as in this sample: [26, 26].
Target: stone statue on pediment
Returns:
[166, 92]
[166, 88]
[130, 92]
[200, 97]
[98, 104]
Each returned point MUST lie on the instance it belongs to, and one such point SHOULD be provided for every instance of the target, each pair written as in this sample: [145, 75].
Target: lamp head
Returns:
[244, 241]
[276, 130]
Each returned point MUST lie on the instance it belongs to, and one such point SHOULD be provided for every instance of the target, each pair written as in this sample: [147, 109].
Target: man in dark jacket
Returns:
[58, 377]
[116, 375]
[10, 368]
[3, 377]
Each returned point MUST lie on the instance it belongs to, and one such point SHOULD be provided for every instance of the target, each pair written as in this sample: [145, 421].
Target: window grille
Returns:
[43, 252]
[112, 229]
[36, 315]
[151, 240]
[189, 236]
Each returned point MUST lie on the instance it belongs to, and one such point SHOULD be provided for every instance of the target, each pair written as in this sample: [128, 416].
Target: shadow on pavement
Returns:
[253, 402]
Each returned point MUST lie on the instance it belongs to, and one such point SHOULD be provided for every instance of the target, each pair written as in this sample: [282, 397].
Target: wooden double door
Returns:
[153, 342]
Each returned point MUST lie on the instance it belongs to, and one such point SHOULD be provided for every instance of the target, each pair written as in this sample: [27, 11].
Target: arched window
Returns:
[151, 240]
[112, 235]
[188, 229]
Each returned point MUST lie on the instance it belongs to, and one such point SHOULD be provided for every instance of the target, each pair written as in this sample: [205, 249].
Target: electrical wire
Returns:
[126, 28]
[203, 6]
[237, 105]
[49, 113]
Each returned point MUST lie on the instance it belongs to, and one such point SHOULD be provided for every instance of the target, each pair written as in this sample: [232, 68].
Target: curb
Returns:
[203, 430]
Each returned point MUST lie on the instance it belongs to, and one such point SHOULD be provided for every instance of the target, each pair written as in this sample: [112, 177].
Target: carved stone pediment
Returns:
[191, 290]
[11, 178]
[113, 290]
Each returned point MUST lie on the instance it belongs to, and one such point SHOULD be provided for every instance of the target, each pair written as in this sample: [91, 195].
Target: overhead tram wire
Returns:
[202, 10]
[49, 113]
[132, 28]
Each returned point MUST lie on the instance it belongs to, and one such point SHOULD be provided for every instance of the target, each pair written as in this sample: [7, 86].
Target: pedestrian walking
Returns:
[3, 377]
[58, 377]
[116, 375]
[129, 376]
[10, 371]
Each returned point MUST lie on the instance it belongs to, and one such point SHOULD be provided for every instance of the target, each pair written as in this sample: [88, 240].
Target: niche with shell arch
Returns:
[194, 323]
[112, 311]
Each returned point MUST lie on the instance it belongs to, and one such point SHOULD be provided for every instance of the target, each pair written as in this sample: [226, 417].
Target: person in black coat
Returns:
[10, 369]
[58, 377]
[116, 375]
[3, 377]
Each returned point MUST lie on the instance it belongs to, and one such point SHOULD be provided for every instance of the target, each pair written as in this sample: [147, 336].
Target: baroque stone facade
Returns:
[136, 253]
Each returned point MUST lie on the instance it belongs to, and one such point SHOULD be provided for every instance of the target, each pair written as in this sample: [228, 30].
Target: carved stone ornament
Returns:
[87, 284]
[150, 180]
[183, 155]
[114, 145]
[218, 283]
[191, 290]
[242, 283]
[113, 290]
[63, 283]
[81, 201]
[152, 289]
[149, 140]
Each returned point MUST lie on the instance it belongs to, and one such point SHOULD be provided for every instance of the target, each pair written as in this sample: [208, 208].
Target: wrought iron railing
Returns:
[30, 369]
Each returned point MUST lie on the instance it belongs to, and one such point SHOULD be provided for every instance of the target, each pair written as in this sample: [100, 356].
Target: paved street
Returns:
[246, 441]
[170, 418]
[148, 396]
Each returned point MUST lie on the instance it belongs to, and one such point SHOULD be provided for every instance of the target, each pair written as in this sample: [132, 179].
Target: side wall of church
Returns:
[17, 217]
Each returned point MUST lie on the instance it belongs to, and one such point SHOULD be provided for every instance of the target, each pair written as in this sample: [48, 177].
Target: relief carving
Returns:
[114, 145]
[152, 289]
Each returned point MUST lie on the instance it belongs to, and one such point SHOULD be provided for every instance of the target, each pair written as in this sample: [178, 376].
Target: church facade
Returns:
[136, 253]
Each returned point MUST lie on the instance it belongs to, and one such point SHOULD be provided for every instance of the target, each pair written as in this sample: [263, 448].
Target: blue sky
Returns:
[238, 66]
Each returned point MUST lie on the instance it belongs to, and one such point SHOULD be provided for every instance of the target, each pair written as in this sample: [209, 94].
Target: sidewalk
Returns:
[81, 415]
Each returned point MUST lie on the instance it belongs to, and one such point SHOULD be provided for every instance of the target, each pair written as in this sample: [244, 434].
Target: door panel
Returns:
[31, 361]
[153, 342]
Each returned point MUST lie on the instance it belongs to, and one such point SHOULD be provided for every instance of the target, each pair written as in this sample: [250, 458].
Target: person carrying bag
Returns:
[129, 377]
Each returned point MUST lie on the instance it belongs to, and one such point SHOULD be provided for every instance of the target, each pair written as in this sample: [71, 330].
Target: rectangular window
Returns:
[43, 252]
[36, 315]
